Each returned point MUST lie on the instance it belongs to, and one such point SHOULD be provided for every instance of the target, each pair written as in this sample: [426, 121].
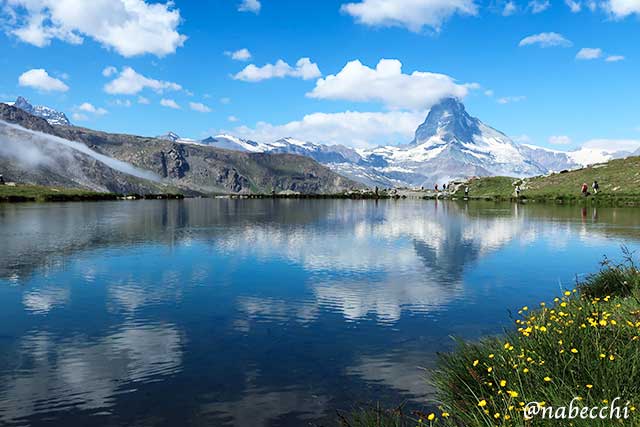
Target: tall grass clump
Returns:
[584, 345]
[613, 279]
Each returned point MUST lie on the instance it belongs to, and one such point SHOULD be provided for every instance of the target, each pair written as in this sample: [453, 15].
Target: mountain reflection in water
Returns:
[264, 312]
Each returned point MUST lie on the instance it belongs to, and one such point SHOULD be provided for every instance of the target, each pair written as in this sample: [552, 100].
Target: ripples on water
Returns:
[220, 312]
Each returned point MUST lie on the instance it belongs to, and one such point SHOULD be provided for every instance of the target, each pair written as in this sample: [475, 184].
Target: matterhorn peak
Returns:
[449, 120]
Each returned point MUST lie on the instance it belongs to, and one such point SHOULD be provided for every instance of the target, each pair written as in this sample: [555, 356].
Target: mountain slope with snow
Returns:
[450, 144]
[54, 117]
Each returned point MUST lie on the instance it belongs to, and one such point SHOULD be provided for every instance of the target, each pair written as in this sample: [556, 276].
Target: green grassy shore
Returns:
[36, 193]
[619, 185]
[583, 346]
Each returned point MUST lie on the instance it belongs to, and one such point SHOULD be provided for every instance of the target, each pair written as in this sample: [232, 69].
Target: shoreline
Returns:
[42, 194]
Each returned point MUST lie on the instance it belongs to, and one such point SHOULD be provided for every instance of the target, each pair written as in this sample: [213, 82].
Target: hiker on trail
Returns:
[436, 188]
[444, 187]
[585, 190]
[466, 191]
[518, 191]
[595, 187]
[1, 180]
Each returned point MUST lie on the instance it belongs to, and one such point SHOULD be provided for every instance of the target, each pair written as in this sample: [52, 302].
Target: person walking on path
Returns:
[585, 189]
[595, 187]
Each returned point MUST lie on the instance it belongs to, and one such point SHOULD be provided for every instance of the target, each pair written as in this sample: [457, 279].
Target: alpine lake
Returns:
[219, 312]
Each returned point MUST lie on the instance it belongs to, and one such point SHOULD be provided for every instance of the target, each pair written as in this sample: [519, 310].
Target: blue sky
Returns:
[546, 92]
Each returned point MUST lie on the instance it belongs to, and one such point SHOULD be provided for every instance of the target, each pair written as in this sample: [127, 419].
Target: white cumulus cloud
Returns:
[546, 40]
[90, 108]
[559, 140]
[109, 71]
[411, 14]
[539, 6]
[129, 82]
[199, 107]
[169, 103]
[350, 128]
[41, 80]
[304, 69]
[587, 53]
[130, 27]
[614, 58]
[239, 55]
[388, 84]
[622, 8]
[253, 6]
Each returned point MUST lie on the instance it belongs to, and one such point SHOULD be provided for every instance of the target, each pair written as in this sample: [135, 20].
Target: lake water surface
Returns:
[265, 312]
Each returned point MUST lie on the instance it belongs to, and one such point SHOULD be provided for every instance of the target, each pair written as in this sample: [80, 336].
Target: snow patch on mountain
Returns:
[450, 144]
[54, 117]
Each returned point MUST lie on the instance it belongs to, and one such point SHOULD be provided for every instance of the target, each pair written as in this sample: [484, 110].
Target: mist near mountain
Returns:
[33, 148]
[79, 157]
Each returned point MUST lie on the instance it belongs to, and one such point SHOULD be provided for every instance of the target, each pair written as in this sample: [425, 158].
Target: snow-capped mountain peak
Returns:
[54, 117]
[230, 142]
[448, 120]
[450, 144]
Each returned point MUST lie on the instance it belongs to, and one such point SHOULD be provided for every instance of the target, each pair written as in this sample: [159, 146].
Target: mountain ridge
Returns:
[450, 144]
[191, 168]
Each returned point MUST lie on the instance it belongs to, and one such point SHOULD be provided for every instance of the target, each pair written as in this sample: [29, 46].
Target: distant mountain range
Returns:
[34, 151]
[449, 145]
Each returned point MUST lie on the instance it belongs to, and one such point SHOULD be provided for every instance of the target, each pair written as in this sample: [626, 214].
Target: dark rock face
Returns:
[174, 163]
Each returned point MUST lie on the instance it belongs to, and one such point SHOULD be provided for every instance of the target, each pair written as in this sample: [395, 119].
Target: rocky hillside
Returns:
[191, 167]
